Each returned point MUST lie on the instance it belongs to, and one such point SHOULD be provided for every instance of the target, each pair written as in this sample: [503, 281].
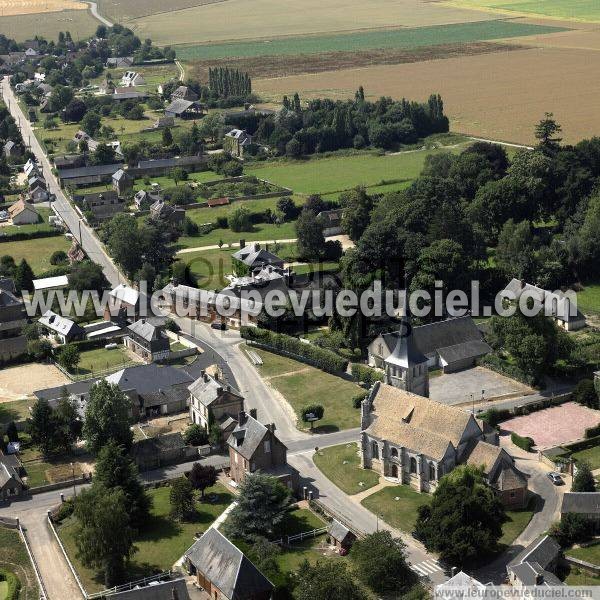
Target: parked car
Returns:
[219, 326]
[4, 216]
[555, 478]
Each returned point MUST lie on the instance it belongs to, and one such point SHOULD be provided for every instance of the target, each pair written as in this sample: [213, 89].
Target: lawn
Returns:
[42, 472]
[415, 37]
[341, 465]
[299, 520]
[36, 252]
[43, 225]
[590, 455]
[312, 386]
[577, 577]
[401, 513]
[16, 410]
[14, 557]
[590, 554]
[162, 541]
[518, 520]
[336, 173]
[101, 359]
[588, 301]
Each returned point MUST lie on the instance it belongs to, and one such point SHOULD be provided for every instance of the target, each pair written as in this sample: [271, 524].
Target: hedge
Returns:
[493, 416]
[525, 443]
[358, 399]
[14, 585]
[323, 359]
[19, 236]
[495, 363]
[365, 374]
[54, 272]
[582, 444]
[592, 432]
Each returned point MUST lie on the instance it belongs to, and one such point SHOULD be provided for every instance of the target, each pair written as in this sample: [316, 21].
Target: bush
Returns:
[591, 432]
[195, 435]
[312, 409]
[323, 359]
[65, 510]
[525, 443]
[573, 528]
[19, 236]
[190, 228]
[357, 400]
[365, 374]
[171, 325]
[494, 416]
[13, 584]
[58, 258]
[585, 394]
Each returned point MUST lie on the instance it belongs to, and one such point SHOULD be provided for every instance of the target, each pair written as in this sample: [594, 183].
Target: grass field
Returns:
[162, 541]
[36, 252]
[14, 557]
[80, 23]
[517, 521]
[243, 19]
[302, 384]
[341, 465]
[336, 173]
[101, 359]
[17, 410]
[588, 301]
[43, 225]
[578, 577]
[123, 11]
[589, 554]
[365, 40]
[576, 10]
[590, 455]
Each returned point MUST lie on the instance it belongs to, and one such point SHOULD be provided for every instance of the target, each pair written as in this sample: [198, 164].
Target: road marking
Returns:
[427, 567]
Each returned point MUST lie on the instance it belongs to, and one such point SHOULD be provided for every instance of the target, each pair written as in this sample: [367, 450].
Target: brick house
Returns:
[148, 341]
[255, 447]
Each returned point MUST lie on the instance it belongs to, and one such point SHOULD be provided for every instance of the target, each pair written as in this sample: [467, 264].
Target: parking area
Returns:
[554, 426]
[456, 388]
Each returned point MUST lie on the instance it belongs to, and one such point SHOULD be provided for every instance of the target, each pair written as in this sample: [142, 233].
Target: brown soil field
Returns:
[498, 96]
[19, 382]
[25, 7]
[254, 19]
[133, 9]
[280, 66]
[582, 39]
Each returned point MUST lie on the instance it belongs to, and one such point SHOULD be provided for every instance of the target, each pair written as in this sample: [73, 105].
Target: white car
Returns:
[555, 478]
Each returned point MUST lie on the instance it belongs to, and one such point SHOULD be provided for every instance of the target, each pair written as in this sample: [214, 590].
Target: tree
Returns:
[515, 253]
[39, 349]
[87, 275]
[107, 417]
[202, 476]
[546, 131]
[573, 528]
[115, 470]
[178, 174]
[262, 505]
[67, 425]
[103, 155]
[12, 433]
[69, 357]
[464, 520]
[357, 206]
[380, 563]
[41, 427]
[124, 243]
[74, 111]
[91, 123]
[309, 231]
[326, 580]
[239, 219]
[312, 412]
[59, 257]
[584, 479]
[104, 536]
[195, 435]
[215, 437]
[212, 125]
[167, 138]
[181, 498]
[24, 277]
[7, 266]
[585, 393]
[287, 208]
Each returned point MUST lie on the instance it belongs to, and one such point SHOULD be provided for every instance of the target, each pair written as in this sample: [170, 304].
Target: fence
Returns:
[166, 576]
[301, 536]
[333, 514]
[96, 374]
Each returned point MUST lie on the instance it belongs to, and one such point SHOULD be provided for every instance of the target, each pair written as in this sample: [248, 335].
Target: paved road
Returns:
[80, 230]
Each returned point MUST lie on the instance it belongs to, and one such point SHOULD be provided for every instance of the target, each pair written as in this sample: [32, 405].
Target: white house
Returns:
[132, 79]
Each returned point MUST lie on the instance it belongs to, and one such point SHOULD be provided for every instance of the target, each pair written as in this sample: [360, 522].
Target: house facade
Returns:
[12, 321]
[63, 329]
[22, 213]
[147, 340]
[11, 484]
[122, 182]
[237, 142]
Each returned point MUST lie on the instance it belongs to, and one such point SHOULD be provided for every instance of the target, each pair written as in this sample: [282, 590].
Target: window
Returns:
[395, 452]
[413, 464]
[431, 472]
[252, 467]
[512, 494]
[375, 450]
[267, 446]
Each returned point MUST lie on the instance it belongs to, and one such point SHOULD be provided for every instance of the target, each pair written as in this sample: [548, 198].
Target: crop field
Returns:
[24, 7]
[500, 96]
[131, 9]
[576, 10]
[254, 19]
[415, 37]
[22, 27]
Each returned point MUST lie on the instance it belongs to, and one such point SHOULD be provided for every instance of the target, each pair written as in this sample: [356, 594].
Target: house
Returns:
[146, 198]
[223, 571]
[88, 175]
[183, 92]
[31, 53]
[11, 484]
[163, 122]
[340, 536]
[332, 221]
[535, 565]
[69, 161]
[255, 447]
[148, 341]
[38, 191]
[184, 109]
[22, 213]
[501, 474]
[31, 167]
[36, 181]
[583, 503]
[126, 93]
[106, 87]
[124, 302]
[163, 212]
[60, 327]
[236, 142]
[103, 205]
[82, 136]
[459, 587]
[252, 257]
[60, 282]
[132, 79]
[119, 62]
[559, 306]
[122, 182]
[158, 451]
[212, 401]
[163, 166]
[451, 345]
[412, 439]
[12, 320]
[12, 149]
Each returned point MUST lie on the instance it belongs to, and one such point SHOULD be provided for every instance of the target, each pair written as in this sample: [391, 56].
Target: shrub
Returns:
[190, 228]
[357, 400]
[585, 393]
[525, 443]
[591, 432]
[13, 585]
[65, 510]
[573, 528]
[58, 258]
[195, 435]
[365, 374]
[19, 236]
[494, 416]
[323, 359]
[312, 409]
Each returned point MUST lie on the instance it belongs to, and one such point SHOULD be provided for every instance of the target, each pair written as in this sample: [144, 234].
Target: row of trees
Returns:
[226, 82]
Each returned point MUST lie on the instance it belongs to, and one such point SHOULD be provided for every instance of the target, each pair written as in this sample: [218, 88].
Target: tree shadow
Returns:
[325, 429]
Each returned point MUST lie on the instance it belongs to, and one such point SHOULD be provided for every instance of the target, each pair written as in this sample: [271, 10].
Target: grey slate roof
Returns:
[529, 572]
[147, 379]
[543, 551]
[406, 353]
[587, 503]
[8, 299]
[60, 324]
[179, 106]
[121, 175]
[338, 531]
[245, 439]
[165, 590]
[227, 567]
[89, 171]
[146, 330]
[156, 445]
[255, 256]
[8, 475]
[207, 389]
[8, 285]
[178, 161]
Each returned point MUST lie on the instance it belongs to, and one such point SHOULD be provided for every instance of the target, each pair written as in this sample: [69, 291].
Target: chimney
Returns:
[228, 388]
[453, 571]
[242, 244]
[271, 427]
[256, 246]
[253, 413]
[241, 418]
[539, 579]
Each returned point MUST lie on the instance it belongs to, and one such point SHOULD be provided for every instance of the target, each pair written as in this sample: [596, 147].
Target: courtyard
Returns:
[554, 426]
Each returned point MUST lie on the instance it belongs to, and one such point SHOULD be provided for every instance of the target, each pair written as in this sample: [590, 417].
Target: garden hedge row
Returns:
[592, 432]
[525, 443]
[495, 363]
[13, 584]
[582, 444]
[366, 374]
[20, 236]
[323, 359]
